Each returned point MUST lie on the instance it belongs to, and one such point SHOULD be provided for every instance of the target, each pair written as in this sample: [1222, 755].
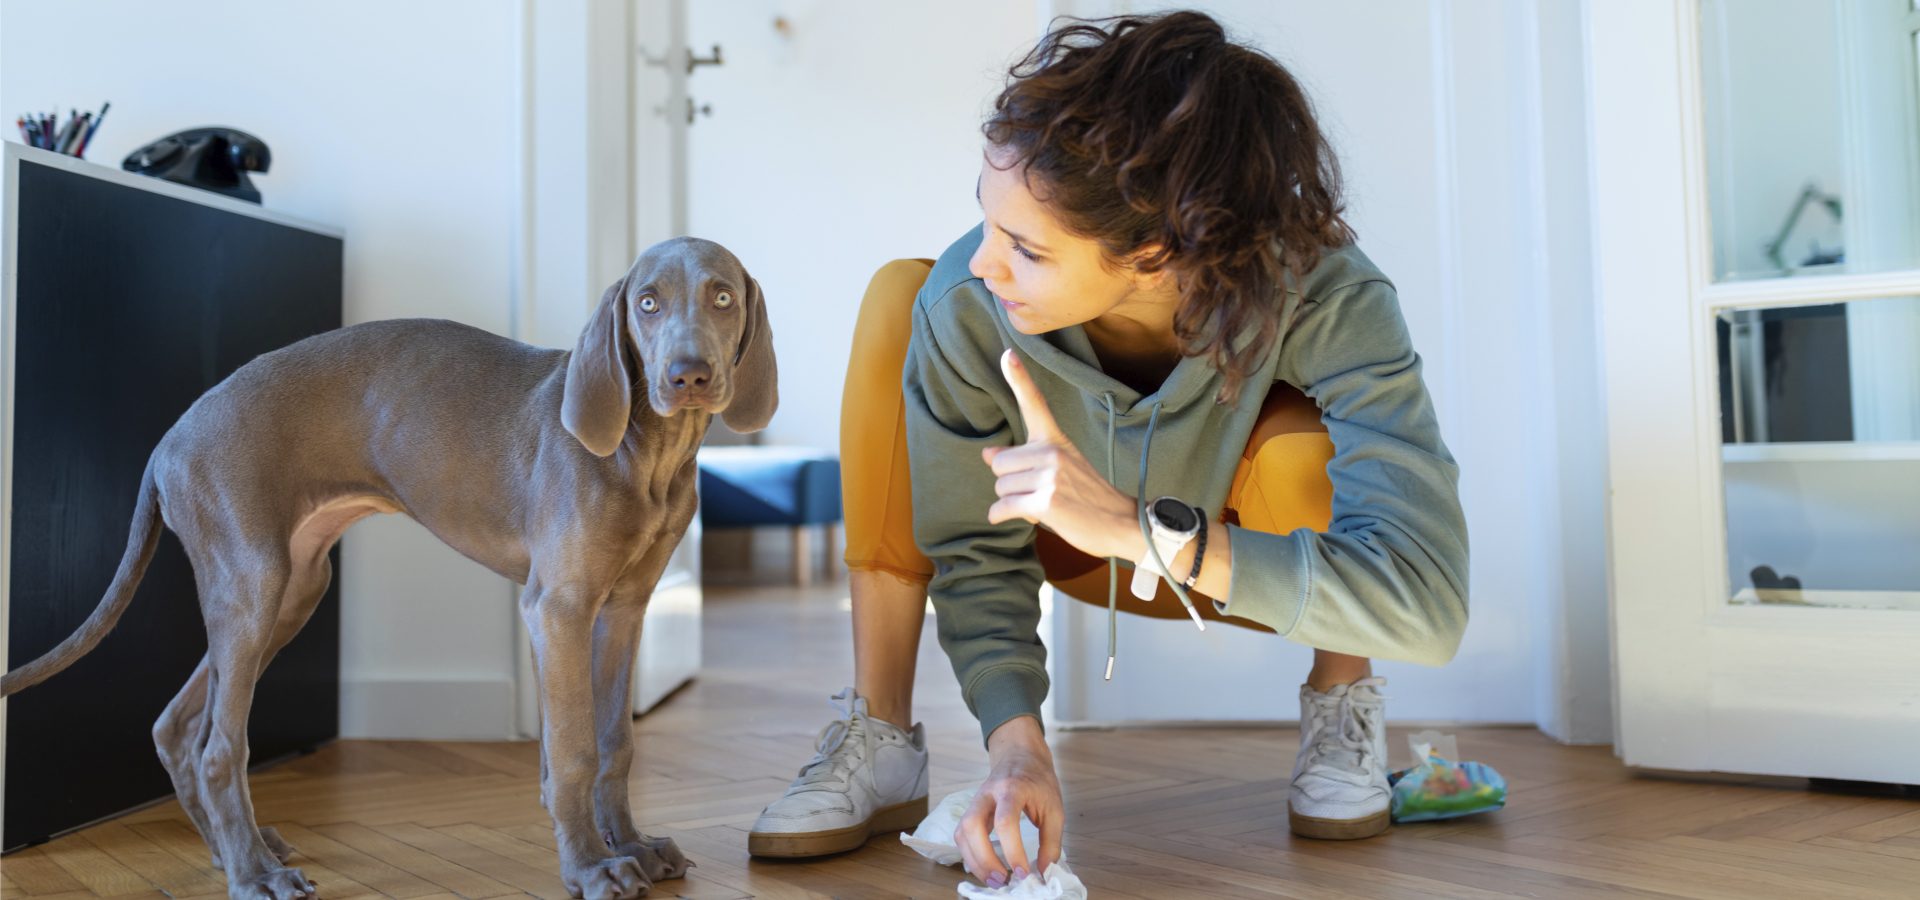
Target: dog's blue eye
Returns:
[648, 304]
[724, 300]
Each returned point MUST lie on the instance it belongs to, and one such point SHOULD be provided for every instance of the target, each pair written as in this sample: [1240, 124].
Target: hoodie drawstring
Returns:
[1113, 565]
[1146, 531]
[1146, 534]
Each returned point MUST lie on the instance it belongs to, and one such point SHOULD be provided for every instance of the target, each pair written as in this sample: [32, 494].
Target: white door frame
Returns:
[1702, 684]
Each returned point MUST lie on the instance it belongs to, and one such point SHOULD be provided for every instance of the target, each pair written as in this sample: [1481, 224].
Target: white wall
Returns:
[848, 142]
[1462, 131]
[401, 122]
[1573, 671]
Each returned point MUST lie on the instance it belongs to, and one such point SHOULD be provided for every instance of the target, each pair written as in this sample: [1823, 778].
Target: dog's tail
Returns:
[145, 536]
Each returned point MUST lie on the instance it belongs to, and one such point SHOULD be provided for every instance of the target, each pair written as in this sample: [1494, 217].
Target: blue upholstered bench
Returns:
[799, 487]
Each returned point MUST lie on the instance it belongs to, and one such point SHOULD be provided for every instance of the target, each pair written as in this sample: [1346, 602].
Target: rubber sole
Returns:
[1338, 829]
[898, 817]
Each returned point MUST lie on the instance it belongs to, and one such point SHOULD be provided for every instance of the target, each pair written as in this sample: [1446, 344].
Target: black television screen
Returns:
[129, 301]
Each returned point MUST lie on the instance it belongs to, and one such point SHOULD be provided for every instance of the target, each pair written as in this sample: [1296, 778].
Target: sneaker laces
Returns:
[832, 748]
[1347, 746]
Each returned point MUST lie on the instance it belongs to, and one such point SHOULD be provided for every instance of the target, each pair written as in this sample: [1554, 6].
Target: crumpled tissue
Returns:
[1060, 884]
[934, 840]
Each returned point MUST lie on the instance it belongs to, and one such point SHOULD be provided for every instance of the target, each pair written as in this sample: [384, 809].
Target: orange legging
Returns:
[1280, 485]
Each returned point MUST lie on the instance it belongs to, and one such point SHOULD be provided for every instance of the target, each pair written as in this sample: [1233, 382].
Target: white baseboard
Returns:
[474, 710]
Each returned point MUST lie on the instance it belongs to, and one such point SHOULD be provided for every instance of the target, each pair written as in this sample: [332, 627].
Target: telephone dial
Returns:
[214, 159]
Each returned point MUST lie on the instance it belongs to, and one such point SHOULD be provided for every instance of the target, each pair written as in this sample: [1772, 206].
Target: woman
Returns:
[1162, 272]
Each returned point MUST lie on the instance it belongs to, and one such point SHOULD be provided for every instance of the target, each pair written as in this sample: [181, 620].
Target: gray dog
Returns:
[570, 473]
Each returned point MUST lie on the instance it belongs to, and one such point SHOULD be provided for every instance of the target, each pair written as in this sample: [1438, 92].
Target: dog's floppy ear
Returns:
[756, 381]
[598, 397]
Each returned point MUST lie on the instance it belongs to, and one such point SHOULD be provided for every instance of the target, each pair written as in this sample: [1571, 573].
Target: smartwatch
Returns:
[1173, 524]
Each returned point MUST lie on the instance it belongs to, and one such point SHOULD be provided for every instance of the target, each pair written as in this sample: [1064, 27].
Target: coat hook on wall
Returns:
[696, 61]
[693, 61]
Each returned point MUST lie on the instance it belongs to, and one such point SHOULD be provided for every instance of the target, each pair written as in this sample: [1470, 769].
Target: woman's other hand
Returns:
[1022, 780]
[1048, 481]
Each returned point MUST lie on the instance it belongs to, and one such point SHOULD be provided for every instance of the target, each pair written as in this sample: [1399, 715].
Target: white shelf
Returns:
[1821, 451]
[1832, 599]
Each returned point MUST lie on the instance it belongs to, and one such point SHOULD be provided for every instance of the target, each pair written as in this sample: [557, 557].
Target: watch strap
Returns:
[1199, 552]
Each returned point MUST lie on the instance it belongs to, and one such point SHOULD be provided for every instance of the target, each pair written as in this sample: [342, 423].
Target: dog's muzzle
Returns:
[688, 383]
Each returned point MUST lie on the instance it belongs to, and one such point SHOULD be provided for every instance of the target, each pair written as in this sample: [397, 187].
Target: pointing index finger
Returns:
[1033, 407]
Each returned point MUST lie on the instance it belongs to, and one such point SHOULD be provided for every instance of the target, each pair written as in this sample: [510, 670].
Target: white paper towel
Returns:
[934, 840]
[1060, 884]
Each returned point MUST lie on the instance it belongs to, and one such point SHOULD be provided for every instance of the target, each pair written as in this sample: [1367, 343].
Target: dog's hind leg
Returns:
[240, 597]
[546, 776]
[616, 638]
[179, 736]
[306, 586]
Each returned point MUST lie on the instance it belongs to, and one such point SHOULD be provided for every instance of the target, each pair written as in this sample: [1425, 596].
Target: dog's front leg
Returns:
[616, 639]
[560, 620]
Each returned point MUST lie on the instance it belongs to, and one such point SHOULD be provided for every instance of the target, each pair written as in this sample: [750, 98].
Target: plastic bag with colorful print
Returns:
[1437, 788]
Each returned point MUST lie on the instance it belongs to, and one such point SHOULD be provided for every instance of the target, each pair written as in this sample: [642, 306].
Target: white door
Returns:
[1756, 198]
[669, 653]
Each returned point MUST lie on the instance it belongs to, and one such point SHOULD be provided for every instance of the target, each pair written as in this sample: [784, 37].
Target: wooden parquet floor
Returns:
[1154, 814]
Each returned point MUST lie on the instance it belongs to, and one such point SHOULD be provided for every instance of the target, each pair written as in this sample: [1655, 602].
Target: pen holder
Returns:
[44, 131]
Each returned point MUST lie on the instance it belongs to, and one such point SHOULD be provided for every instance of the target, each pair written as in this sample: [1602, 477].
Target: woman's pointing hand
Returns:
[1048, 481]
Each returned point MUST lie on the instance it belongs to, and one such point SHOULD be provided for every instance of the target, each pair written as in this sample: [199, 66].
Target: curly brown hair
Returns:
[1158, 131]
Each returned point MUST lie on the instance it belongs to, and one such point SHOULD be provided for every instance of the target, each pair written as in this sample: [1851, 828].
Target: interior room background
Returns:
[850, 137]
[476, 154]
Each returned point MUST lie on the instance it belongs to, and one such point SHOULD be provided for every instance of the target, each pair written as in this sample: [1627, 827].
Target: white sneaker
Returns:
[867, 776]
[1340, 790]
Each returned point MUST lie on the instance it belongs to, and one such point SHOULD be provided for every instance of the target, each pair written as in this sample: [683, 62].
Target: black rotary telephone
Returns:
[215, 159]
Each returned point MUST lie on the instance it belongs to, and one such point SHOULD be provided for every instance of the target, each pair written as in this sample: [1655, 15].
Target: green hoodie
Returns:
[1387, 579]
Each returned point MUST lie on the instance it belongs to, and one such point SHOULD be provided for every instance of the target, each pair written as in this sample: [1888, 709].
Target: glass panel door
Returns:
[1811, 119]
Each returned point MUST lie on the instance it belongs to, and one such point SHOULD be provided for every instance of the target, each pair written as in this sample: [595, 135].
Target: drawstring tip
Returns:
[1109, 668]
[1196, 618]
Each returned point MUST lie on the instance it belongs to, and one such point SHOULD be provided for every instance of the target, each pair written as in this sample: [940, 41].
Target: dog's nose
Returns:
[689, 374]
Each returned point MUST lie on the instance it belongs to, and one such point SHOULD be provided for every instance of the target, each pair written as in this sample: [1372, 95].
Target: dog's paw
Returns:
[279, 884]
[660, 858]
[278, 845]
[618, 878]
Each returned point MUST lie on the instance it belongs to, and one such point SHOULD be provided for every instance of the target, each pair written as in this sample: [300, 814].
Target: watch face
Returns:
[1175, 516]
